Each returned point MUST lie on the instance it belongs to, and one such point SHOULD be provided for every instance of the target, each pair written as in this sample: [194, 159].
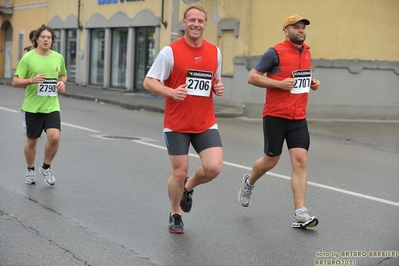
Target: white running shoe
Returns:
[303, 219]
[244, 194]
[30, 177]
[48, 176]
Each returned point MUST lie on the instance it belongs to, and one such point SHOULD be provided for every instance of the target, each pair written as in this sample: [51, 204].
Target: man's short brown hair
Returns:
[198, 7]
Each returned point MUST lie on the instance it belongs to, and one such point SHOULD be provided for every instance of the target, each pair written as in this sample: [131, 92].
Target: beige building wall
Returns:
[340, 29]
[26, 16]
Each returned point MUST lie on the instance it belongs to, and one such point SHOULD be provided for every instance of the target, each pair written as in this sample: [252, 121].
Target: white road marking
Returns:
[79, 127]
[63, 123]
[344, 191]
[9, 110]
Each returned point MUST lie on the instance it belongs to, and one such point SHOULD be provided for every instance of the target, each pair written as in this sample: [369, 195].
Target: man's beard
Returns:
[295, 40]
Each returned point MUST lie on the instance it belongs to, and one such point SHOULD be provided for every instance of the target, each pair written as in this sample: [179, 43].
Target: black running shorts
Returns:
[179, 143]
[276, 130]
[37, 122]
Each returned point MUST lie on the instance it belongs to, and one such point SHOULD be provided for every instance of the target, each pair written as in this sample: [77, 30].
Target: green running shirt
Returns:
[41, 98]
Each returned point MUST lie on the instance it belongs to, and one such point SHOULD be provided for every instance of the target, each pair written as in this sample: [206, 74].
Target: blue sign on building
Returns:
[105, 2]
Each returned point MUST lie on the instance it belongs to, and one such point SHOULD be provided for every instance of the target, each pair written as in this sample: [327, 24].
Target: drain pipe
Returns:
[165, 23]
[79, 25]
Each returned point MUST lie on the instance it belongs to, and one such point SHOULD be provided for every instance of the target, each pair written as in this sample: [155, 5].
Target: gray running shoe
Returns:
[176, 225]
[303, 219]
[30, 177]
[48, 176]
[244, 194]
[186, 201]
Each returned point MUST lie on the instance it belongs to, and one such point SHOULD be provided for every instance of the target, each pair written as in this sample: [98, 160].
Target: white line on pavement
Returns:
[63, 123]
[79, 127]
[348, 192]
[9, 110]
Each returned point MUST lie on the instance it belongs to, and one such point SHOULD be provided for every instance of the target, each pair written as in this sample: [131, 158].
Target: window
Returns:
[97, 56]
[144, 54]
[119, 50]
[57, 44]
[20, 45]
[70, 57]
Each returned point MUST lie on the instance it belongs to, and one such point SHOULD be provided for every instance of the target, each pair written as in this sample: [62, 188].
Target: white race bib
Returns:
[303, 78]
[199, 83]
[47, 88]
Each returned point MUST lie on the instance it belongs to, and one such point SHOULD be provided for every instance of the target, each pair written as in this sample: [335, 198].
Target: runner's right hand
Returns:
[180, 93]
[287, 84]
[39, 78]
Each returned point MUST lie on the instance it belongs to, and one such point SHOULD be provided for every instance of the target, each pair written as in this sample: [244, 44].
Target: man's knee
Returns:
[53, 136]
[269, 162]
[213, 169]
[31, 143]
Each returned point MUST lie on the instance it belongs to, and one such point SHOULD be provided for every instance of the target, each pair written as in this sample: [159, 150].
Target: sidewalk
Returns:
[128, 100]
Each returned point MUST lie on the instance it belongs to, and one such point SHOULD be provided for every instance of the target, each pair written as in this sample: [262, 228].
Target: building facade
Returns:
[112, 44]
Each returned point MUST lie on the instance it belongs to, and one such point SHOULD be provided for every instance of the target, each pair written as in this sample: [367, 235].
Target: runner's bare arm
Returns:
[21, 82]
[157, 88]
[258, 79]
[63, 78]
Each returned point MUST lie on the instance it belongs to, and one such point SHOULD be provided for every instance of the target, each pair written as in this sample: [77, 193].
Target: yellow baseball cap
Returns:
[293, 19]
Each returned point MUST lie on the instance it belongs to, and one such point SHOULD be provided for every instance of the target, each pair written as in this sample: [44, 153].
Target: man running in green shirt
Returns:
[43, 73]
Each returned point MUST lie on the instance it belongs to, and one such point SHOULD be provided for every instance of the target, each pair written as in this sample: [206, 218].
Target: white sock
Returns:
[298, 211]
[247, 182]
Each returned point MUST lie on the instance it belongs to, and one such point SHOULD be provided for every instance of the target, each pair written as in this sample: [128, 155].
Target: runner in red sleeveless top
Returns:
[187, 73]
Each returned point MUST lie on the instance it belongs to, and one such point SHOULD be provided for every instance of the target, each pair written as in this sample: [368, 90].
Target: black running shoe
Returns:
[176, 225]
[187, 200]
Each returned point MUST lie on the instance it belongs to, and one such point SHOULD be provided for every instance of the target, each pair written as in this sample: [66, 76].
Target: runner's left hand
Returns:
[314, 85]
[218, 88]
[61, 86]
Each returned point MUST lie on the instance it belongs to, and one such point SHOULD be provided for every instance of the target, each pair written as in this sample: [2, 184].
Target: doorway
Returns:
[8, 52]
[144, 54]
[70, 57]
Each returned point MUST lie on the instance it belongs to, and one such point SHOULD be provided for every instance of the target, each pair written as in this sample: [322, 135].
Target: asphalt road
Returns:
[110, 207]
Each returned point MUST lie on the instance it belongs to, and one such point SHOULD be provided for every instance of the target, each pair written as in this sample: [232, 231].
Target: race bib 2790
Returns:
[47, 88]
